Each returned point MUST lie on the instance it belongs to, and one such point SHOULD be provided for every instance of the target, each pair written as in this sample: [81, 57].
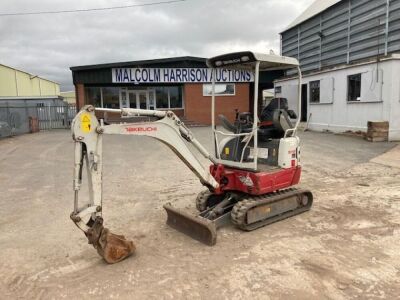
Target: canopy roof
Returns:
[247, 61]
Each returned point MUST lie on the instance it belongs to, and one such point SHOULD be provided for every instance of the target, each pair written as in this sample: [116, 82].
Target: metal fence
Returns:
[19, 118]
[55, 117]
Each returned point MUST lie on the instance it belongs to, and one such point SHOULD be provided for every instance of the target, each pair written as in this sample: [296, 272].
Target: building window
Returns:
[315, 91]
[162, 97]
[175, 97]
[93, 96]
[220, 89]
[169, 97]
[354, 87]
[278, 90]
[111, 97]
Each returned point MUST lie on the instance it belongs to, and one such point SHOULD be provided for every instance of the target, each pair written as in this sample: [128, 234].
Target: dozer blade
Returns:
[198, 228]
[111, 247]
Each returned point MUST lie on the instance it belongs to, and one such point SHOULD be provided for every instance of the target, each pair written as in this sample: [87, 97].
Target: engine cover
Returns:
[289, 152]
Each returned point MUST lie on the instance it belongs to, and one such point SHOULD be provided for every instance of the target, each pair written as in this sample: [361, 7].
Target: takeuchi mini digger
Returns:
[252, 171]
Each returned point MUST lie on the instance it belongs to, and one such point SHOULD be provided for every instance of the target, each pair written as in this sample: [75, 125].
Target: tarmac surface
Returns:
[346, 247]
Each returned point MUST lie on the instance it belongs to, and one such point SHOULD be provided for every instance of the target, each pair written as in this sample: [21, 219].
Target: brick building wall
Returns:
[80, 96]
[198, 107]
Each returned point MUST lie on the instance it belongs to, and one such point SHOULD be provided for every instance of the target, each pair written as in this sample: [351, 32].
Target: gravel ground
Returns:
[346, 247]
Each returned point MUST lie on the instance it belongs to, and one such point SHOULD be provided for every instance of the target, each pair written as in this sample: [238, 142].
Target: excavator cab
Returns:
[245, 143]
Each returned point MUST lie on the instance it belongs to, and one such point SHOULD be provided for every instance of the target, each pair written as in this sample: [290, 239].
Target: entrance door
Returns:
[138, 99]
[123, 99]
[304, 102]
[142, 100]
[152, 99]
[132, 99]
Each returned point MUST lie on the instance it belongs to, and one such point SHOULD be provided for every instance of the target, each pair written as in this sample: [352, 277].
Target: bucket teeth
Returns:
[198, 228]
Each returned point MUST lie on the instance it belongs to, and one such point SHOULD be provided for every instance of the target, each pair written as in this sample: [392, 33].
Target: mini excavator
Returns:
[249, 182]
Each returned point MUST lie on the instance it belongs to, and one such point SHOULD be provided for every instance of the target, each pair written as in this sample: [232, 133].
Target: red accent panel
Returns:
[254, 183]
[265, 123]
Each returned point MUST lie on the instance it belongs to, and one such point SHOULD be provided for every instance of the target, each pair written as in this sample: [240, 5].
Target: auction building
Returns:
[181, 84]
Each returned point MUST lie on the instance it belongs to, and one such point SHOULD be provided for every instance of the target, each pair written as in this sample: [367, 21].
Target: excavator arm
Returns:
[87, 133]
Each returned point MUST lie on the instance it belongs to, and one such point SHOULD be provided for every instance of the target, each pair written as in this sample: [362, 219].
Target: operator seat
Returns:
[275, 119]
[228, 125]
[243, 123]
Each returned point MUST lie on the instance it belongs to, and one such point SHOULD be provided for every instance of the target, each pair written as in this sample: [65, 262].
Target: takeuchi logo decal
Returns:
[140, 129]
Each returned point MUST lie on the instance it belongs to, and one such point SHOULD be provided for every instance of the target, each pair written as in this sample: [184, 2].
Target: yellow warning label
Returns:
[226, 151]
[86, 123]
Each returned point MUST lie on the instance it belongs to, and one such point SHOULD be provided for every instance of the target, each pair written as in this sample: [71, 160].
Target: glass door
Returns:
[143, 101]
[123, 99]
[138, 99]
[152, 99]
[132, 99]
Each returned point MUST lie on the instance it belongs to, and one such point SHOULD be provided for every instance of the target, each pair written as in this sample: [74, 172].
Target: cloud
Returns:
[47, 45]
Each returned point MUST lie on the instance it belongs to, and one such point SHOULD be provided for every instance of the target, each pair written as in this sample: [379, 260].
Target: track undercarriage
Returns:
[244, 211]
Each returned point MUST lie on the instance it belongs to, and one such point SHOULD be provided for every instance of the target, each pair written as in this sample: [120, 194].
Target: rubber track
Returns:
[240, 210]
[201, 200]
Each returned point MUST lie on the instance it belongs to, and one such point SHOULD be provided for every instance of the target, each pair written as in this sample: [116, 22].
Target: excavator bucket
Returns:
[198, 228]
[112, 247]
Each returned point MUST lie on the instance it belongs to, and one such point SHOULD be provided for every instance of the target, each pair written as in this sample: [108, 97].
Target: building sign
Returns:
[178, 75]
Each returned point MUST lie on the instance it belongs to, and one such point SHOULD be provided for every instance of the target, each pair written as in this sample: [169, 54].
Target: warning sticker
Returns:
[85, 123]
[227, 150]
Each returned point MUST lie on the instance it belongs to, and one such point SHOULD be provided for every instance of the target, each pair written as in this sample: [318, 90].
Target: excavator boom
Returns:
[87, 132]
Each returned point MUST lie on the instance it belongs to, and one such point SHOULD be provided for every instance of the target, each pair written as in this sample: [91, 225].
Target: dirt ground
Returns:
[346, 247]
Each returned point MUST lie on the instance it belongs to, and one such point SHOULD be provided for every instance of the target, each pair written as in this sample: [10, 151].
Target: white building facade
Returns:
[346, 98]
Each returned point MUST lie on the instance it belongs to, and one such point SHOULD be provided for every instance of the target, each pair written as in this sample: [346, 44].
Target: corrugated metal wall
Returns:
[347, 32]
[15, 83]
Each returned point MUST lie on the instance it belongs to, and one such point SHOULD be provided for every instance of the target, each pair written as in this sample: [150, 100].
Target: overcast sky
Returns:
[47, 45]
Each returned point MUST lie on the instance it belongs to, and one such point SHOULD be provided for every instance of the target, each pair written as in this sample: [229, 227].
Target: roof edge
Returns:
[30, 74]
[307, 14]
[138, 62]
